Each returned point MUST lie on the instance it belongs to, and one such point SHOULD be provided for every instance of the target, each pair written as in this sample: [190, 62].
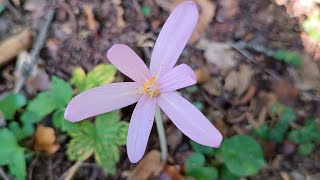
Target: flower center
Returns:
[151, 87]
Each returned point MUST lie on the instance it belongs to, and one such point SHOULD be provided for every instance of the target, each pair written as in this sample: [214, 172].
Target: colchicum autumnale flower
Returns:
[151, 87]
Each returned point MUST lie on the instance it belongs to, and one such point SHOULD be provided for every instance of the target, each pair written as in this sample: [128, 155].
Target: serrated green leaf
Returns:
[203, 149]
[23, 132]
[242, 155]
[306, 148]
[101, 139]
[60, 122]
[11, 103]
[46, 102]
[12, 155]
[78, 78]
[194, 161]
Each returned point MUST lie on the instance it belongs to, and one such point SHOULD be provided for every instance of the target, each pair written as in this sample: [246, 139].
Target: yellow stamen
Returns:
[151, 87]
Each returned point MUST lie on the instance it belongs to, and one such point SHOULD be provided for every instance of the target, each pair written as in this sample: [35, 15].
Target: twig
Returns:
[71, 171]
[3, 175]
[251, 58]
[27, 67]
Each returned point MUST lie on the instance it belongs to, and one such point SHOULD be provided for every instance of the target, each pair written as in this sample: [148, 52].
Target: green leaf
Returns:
[204, 173]
[203, 149]
[101, 138]
[306, 148]
[309, 132]
[11, 103]
[12, 155]
[23, 132]
[288, 57]
[311, 26]
[46, 102]
[60, 122]
[146, 11]
[262, 132]
[227, 175]
[242, 155]
[194, 160]
[99, 75]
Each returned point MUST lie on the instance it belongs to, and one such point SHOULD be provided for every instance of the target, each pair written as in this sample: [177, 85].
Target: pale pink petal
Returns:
[102, 99]
[139, 128]
[173, 37]
[128, 62]
[179, 77]
[189, 119]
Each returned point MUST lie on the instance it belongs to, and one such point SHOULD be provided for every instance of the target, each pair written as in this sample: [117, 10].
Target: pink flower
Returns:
[152, 87]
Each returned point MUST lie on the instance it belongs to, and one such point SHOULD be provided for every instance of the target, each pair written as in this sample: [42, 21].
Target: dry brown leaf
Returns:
[148, 168]
[173, 173]
[44, 140]
[38, 81]
[120, 22]
[286, 92]
[213, 87]
[228, 9]
[207, 11]
[10, 47]
[220, 54]
[239, 81]
[174, 137]
[247, 97]
[92, 23]
[202, 74]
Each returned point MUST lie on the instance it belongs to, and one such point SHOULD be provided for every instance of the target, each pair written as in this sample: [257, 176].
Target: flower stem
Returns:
[162, 135]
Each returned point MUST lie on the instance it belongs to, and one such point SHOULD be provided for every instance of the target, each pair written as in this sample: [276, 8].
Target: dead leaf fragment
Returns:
[173, 173]
[10, 47]
[148, 168]
[286, 92]
[92, 23]
[44, 140]
[202, 74]
[228, 9]
[207, 11]
[220, 54]
[239, 81]
[120, 12]
[213, 87]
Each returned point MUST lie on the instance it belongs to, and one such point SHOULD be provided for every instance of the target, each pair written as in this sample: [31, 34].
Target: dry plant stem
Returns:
[71, 171]
[3, 175]
[35, 51]
[162, 135]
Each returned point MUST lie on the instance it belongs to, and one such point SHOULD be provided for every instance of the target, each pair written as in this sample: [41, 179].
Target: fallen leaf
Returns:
[213, 87]
[247, 97]
[120, 12]
[239, 81]
[308, 76]
[174, 137]
[44, 140]
[220, 54]
[286, 92]
[207, 11]
[148, 168]
[202, 74]
[172, 173]
[92, 23]
[10, 47]
[38, 81]
[228, 9]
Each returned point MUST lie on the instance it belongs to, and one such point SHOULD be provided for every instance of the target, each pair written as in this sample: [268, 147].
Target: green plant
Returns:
[311, 26]
[242, 155]
[100, 139]
[10, 104]
[195, 167]
[146, 11]
[12, 154]
[288, 57]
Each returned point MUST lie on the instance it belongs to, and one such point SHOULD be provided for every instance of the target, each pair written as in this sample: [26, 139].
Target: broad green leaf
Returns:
[101, 138]
[195, 160]
[11, 103]
[78, 78]
[60, 122]
[242, 155]
[227, 175]
[46, 102]
[12, 154]
[203, 149]
[306, 148]
[23, 132]
[203, 173]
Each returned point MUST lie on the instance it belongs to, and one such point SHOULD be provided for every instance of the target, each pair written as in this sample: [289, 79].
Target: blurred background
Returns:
[258, 81]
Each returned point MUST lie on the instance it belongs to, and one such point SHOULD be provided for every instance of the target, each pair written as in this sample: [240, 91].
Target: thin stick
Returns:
[71, 171]
[3, 175]
[162, 135]
[27, 68]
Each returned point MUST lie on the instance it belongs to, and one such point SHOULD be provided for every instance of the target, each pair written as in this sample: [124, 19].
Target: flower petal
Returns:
[102, 99]
[179, 77]
[189, 119]
[140, 127]
[173, 37]
[128, 62]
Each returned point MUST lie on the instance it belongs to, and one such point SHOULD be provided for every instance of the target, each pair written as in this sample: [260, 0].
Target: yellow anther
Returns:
[151, 87]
